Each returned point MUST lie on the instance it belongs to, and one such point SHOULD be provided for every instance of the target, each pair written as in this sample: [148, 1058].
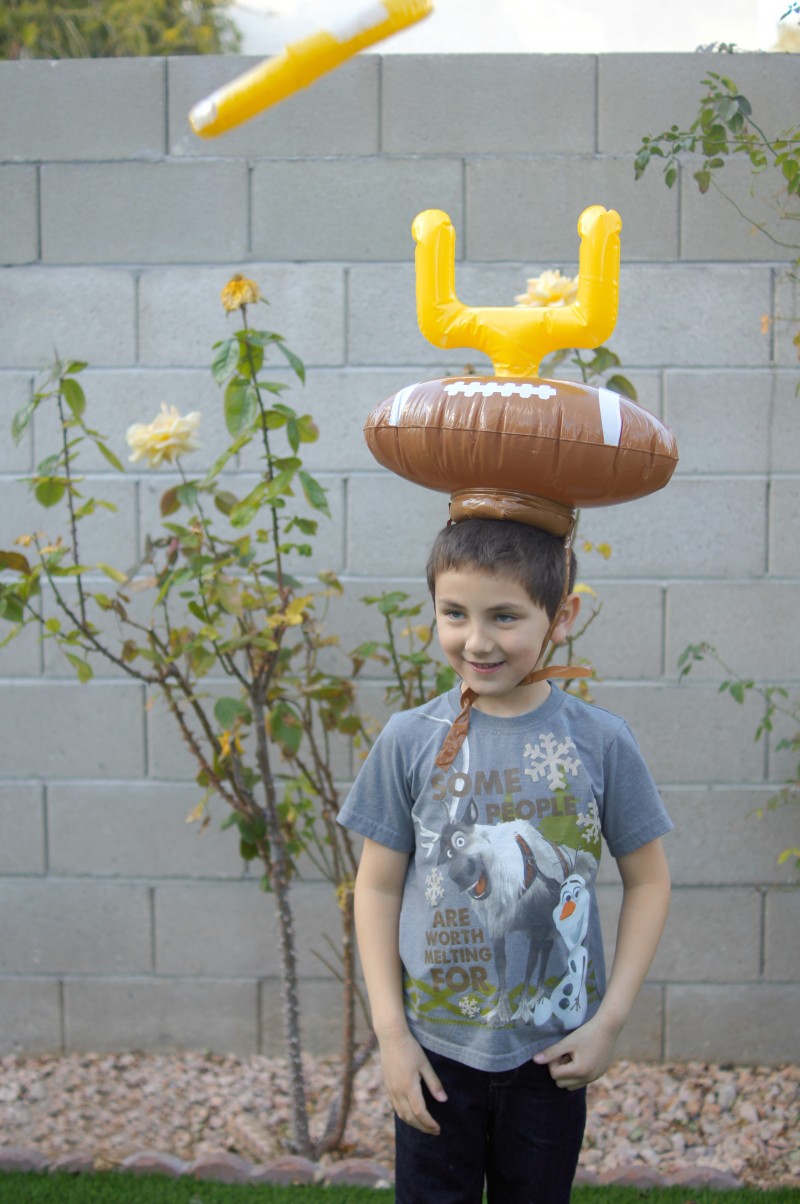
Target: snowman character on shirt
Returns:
[568, 1001]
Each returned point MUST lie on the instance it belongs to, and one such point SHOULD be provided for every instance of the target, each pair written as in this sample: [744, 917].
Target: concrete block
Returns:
[181, 315]
[144, 212]
[321, 1017]
[647, 93]
[19, 204]
[642, 1037]
[731, 617]
[22, 837]
[740, 222]
[118, 398]
[111, 631]
[782, 760]
[86, 313]
[73, 731]
[721, 420]
[58, 927]
[15, 389]
[758, 1022]
[712, 527]
[30, 1016]
[437, 104]
[97, 109]
[784, 515]
[23, 656]
[102, 535]
[160, 1015]
[693, 315]
[137, 830]
[352, 209]
[712, 935]
[506, 221]
[339, 115]
[785, 443]
[355, 623]
[168, 757]
[229, 930]
[720, 841]
[782, 953]
[340, 402]
[625, 640]
[785, 317]
[689, 734]
[382, 325]
[328, 553]
[391, 525]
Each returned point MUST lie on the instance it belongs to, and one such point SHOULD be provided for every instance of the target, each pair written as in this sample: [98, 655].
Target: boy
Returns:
[475, 907]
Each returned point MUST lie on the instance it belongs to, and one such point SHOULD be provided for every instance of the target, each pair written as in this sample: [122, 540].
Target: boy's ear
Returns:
[570, 609]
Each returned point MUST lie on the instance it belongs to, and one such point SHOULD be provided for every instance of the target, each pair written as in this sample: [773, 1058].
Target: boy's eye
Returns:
[505, 618]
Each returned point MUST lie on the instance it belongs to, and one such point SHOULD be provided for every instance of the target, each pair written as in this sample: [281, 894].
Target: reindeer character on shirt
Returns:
[513, 876]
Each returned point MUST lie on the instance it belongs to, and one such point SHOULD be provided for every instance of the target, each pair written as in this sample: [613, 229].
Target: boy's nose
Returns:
[477, 642]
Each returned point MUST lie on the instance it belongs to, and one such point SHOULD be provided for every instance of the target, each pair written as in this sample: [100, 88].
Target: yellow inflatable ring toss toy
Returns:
[301, 63]
[512, 445]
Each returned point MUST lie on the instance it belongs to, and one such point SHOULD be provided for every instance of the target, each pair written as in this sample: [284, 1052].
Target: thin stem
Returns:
[72, 520]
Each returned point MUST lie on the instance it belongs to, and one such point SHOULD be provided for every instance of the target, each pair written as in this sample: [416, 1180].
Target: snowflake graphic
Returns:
[434, 887]
[590, 823]
[469, 1006]
[550, 760]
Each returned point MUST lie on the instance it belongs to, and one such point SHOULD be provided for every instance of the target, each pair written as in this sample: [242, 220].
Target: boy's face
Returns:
[491, 632]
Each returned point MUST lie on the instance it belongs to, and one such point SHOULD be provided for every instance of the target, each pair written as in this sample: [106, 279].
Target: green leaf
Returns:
[12, 608]
[241, 407]
[108, 455]
[21, 419]
[224, 362]
[670, 175]
[169, 503]
[49, 491]
[113, 574]
[294, 361]
[82, 668]
[187, 494]
[225, 502]
[74, 396]
[314, 493]
[620, 384]
[14, 561]
[703, 179]
[228, 710]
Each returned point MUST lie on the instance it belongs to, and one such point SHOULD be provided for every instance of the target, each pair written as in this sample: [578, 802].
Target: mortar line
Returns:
[45, 814]
[166, 106]
[597, 104]
[39, 213]
[62, 1022]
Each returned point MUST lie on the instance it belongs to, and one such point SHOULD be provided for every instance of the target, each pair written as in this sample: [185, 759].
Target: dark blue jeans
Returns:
[514, 1130]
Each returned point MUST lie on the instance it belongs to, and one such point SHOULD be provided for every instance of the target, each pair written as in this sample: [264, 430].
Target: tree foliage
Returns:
[41, 29]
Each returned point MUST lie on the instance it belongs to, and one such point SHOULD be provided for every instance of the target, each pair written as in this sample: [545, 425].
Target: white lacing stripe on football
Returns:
[398, 404]
[610, 416]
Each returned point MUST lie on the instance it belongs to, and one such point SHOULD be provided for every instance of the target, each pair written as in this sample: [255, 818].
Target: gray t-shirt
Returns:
[499, 928]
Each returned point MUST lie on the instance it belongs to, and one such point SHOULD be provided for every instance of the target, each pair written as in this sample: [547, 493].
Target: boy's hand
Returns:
[405, 1067]
[583, 1056]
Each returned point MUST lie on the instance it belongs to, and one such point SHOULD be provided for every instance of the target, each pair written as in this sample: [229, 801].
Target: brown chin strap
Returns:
[458, 731]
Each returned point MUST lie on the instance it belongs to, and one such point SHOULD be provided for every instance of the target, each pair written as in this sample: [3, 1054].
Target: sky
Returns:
[531, 26]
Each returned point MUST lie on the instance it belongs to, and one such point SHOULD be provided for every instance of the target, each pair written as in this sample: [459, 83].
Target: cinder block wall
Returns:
[121, 927]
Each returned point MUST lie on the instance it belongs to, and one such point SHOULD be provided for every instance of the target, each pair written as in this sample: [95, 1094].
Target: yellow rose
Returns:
[165, 438]
[239, 291]
[549, 289]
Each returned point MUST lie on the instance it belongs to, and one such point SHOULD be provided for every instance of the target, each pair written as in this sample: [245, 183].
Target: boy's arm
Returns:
[378, 894]
[585, 1054]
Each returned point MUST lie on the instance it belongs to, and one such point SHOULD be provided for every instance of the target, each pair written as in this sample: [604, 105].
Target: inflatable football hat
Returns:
[514, 446]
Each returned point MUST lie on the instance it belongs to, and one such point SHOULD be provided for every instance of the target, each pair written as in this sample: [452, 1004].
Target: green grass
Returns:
[112, 1188]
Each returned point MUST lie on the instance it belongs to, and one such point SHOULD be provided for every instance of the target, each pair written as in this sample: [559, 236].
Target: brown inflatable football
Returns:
[525, 449]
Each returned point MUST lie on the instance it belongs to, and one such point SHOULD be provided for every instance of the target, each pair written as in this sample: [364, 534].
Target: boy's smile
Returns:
[491, 632]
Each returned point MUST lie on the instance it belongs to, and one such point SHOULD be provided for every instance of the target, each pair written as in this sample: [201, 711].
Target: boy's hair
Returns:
[534, 558]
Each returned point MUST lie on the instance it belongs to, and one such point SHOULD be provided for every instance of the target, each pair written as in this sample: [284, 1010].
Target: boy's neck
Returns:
[519, 701]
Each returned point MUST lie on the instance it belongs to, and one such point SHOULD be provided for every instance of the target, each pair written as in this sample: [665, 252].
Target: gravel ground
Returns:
[742, 1120]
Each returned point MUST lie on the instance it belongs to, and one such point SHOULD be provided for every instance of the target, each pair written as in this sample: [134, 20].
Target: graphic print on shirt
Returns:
[521, 850]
